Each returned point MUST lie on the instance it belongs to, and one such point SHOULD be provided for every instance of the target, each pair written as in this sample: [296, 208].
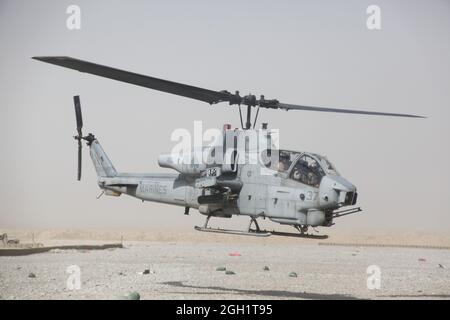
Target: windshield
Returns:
[307, 171]
[326, 165]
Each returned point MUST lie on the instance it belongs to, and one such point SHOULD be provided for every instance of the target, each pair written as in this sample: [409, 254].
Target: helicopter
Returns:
[294, 188]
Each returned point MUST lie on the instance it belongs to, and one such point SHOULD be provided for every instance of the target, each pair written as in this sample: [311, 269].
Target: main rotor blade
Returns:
[205, 95]
[180, 89]
[78, 115]
[79, 159]
[286, 106]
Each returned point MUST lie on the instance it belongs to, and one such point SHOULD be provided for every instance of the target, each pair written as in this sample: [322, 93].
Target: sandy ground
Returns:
[183, 266]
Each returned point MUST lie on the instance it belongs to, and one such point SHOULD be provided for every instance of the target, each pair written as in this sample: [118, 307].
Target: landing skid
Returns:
[299, 235]
[258, 232]
[236, 232]
[250, 232]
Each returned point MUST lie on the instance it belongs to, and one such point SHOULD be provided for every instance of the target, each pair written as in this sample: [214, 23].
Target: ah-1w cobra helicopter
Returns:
[293, 188]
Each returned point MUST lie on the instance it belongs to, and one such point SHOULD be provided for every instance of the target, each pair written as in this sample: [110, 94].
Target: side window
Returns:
[307, 171]
[278, 160]
[284, 162]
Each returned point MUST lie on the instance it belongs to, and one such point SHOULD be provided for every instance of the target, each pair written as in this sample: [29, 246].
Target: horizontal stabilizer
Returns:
[122, 185]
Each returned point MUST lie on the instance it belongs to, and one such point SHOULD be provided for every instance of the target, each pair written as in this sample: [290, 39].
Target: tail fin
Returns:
[102, 164]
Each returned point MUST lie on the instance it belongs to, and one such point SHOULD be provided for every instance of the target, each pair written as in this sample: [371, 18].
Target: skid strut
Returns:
[253, 221]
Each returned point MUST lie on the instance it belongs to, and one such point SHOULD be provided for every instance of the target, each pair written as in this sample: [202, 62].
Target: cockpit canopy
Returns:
[307, 170]
[303, 167]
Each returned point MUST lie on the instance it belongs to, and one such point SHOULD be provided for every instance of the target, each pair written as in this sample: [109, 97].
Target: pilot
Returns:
[283, 164]
[296, 174]
[314, 174]
[313, 166]
[313, 179]
[281, 167]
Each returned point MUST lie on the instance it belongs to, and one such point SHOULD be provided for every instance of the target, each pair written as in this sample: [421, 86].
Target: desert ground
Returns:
[184, 266]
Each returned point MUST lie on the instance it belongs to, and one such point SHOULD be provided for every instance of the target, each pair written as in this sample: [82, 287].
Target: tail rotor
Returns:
[79, 137]
[89, 138]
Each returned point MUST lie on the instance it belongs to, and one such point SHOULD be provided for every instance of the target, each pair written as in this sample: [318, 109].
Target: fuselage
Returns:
[288, 187]
[277, 197]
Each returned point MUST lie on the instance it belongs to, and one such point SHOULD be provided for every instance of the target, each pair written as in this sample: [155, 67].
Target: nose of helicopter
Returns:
[337, 191]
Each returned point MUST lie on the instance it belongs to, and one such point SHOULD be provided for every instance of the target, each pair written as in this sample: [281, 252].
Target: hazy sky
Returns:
[305, 52]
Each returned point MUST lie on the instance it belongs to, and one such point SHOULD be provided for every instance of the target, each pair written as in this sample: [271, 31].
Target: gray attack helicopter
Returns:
[295, 188]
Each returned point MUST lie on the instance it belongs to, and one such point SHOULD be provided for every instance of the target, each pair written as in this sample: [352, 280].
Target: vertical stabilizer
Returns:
[102, 164]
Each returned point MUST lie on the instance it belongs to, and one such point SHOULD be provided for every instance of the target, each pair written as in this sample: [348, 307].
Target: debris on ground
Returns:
[266, 268]
[147, 271]
[293, 274]
[422, 259]
[229, 272]
[133, 296]
[221, 269]
[234, 254]
[31, 275]
[441, 266]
